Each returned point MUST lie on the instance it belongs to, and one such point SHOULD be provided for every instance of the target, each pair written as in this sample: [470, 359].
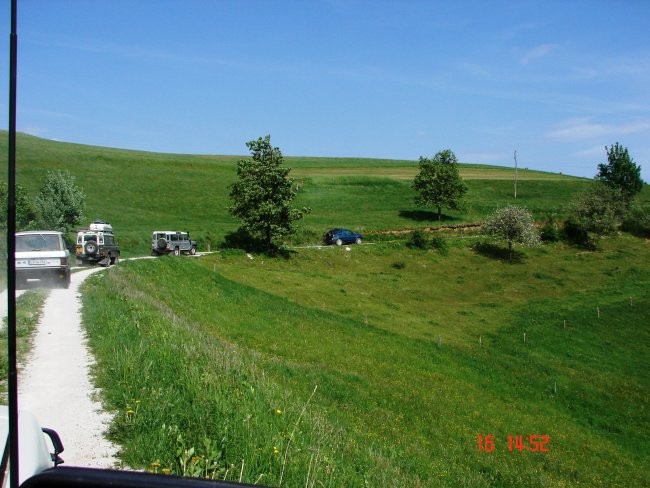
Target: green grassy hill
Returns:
[377, 365]
[140, 191]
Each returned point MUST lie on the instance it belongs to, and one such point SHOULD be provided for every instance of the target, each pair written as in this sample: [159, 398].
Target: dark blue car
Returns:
[342, 236]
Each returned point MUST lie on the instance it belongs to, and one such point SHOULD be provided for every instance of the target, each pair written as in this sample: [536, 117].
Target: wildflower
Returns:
[130, 412]
[155, 464]
[166, 470]
[278, 411]
[276, 450]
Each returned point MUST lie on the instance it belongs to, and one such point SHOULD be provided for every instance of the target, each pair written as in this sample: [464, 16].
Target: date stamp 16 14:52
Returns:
[531, 443]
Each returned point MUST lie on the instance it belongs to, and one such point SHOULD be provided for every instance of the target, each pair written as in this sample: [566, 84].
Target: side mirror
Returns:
[56, 444]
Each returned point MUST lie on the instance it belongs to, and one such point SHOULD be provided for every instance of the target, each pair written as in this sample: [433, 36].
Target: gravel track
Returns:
[54, 382]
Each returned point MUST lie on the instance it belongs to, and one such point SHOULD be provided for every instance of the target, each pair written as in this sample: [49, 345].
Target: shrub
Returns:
[637, 222]
[576, 234]
[550, 231]
[418, 240]
[440, 245]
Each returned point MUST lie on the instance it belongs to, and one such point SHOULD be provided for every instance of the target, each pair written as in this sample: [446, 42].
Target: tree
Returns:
[621, 172]
[263, 195]
[25, 214]
[438, 183]
[596, 212]
[60, 203]
[513, 224]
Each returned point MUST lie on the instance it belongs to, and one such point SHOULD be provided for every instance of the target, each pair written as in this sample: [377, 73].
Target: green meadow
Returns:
[372, 365]
[340, 368]
[139, 192]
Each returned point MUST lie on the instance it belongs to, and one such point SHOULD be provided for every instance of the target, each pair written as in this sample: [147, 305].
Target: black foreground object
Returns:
[72, 477]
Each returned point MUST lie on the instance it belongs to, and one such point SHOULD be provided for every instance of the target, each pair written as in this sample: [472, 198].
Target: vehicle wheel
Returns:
[162, 243]
[67, 280]
[177, 251]
[358, 241]
[115, 259]
[90, 247]
[339, 242]
[193, 251]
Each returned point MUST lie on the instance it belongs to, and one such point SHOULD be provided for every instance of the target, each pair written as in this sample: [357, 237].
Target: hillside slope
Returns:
[141, 191]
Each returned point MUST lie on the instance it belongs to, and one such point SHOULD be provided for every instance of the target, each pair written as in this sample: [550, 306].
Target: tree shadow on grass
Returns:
[240, 239]
[425, 216]
[497, 252]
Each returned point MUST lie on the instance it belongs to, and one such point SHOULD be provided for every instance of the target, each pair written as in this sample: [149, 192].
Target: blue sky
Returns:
[555, 81]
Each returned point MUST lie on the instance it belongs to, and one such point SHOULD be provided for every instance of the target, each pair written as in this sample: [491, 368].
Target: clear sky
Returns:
[557, 81]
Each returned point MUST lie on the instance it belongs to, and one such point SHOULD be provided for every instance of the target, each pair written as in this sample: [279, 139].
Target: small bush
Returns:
[399, 265]
[637, 222]
[440, 245]
[550, 231]
[418, 240]
[577, 235]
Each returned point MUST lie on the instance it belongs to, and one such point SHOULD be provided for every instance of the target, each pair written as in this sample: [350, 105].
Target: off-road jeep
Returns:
[97, 244]
[171, 242]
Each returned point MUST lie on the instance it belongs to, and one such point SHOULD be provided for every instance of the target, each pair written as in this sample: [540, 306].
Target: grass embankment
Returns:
[409, 355]
[28, 310]
[139, 192]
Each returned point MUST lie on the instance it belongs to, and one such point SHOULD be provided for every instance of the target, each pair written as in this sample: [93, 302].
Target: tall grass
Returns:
[28, 312]
[406, 365]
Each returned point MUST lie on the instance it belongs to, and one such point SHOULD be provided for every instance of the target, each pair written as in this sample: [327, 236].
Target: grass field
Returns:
[139, 192]
[374, 366]
[409, 364]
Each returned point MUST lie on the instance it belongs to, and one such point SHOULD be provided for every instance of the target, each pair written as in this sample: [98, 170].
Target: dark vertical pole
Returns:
[11, 247]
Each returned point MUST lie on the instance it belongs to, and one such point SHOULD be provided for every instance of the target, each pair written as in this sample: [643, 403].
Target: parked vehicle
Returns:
[172, 242]
[342, 236]
[43, 258]
[97, 244]
[34, 454]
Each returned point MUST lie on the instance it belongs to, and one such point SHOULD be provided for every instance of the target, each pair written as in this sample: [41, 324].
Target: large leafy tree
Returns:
[513, 224]
[263, 195]
[60, 202]
[438, 184]
[620, 172]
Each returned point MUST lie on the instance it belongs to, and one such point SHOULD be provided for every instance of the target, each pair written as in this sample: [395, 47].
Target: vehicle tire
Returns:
[162, 243]
[67, 280]
[339, 242]
[177, 251]
[358, 241]
[90, 248]
[192, 250]
[115, 259]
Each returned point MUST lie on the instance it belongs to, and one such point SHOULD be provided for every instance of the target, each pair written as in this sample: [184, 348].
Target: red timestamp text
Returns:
[531, 443]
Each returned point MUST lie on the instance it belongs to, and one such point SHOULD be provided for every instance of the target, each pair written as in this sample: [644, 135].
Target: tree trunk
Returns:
[268, 238]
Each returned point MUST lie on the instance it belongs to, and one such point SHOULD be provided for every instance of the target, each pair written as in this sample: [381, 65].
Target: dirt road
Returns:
[54, 383]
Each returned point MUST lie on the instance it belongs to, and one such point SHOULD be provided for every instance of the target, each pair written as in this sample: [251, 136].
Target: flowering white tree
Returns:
[513, 224]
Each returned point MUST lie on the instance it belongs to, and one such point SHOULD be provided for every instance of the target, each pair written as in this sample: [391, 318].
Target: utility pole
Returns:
[515, 173]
